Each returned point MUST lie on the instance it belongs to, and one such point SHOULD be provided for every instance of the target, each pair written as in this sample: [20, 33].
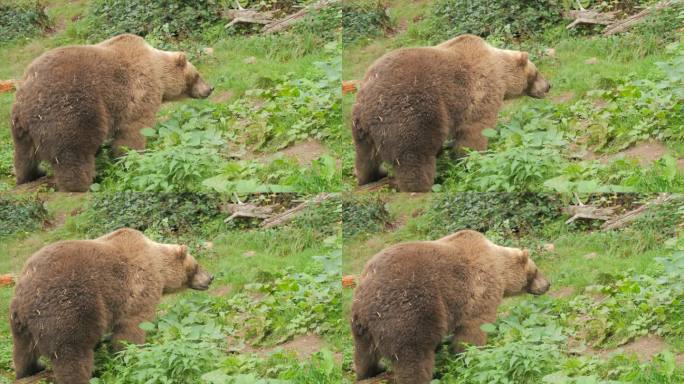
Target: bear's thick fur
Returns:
[413, 99]
[412, 295]
[75, 98]
[71, 293]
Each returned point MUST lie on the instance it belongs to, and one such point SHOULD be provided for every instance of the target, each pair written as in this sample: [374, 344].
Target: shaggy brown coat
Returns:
[413, 99]
[71, 293]
[75, 98]
[412, 295]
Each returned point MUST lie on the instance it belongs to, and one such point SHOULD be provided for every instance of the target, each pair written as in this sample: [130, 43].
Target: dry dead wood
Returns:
[293, 212]
[34, 185]
[44, 375]
[628, 217]
[267, 18]
[247, 210]
[609, 19]
[589, 212]
[248, 16]
[629, 22]
[382, 378]
[287, 21]
[376, 185]
[586, 16]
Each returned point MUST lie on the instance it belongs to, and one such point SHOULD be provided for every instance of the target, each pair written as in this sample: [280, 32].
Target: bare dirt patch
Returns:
[222, 97]
[221, 290]
[644, 348]
[303, 346]
[563, 98]
[562, 292]
[304, 152]
[645, 152]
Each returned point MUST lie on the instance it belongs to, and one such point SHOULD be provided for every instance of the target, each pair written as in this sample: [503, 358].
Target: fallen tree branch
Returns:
[287, 21]
[628, 217]
[44, 375]
[589, 212]
[585, 16]
[247, 210]
[291, 213]
[381, 378]
[629, 22]
[376, 185]
[34, 185]
[248, 16]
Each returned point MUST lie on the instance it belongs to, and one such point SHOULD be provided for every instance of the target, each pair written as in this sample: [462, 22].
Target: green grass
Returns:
[583, 258]
[240, 255]
[632, 56]
[233, 64]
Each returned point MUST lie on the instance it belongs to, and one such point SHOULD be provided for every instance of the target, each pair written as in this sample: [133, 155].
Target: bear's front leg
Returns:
[128, 135]
[469, 333]
[129, 332]
[469, 135]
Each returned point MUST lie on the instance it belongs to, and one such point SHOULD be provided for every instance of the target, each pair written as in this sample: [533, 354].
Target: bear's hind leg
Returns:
[366, 357]
[367, 162]
[415, 173]
[73, 366]
[25, 355]
[74, 173]
[414, 369]
[25, 161]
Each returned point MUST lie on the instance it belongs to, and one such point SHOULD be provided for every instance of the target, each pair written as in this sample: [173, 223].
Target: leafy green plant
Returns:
[162, 20]
[22, 214]
[167, 214]
[504, 213]
[507, 19]
[22, 19]
[364, 214]
[364, 19]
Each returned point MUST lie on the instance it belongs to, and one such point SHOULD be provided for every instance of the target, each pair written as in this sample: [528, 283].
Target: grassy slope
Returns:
[226, 68]
[238, 257]
[567, 70]
[566, 267]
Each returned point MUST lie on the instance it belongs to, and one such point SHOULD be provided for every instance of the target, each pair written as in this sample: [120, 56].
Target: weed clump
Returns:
[22, 19]
[21, 215]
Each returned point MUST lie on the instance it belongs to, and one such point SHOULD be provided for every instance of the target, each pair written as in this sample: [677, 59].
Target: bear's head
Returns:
[522, 274]
[181, 79]
[181, 270]
[525, 78]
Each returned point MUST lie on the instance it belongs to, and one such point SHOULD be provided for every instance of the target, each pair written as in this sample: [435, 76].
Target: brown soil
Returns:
[563, 98]
[645, 152]
[644, 348]
[303, 346]
[222, 97]
[562, 292]
[304, 152]
[221, 290]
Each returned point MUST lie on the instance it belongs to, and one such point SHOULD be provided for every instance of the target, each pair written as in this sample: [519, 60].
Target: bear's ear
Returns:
[182, 251]
[523, 57]
[524, 256]
[181, 59]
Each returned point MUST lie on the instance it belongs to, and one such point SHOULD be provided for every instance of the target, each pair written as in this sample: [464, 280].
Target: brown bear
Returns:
[412, 99]
[71, 293]
[75, 98]
[412, 295]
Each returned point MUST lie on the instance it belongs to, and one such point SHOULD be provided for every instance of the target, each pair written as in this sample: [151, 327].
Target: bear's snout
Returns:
[202, 280]
[539, 286]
